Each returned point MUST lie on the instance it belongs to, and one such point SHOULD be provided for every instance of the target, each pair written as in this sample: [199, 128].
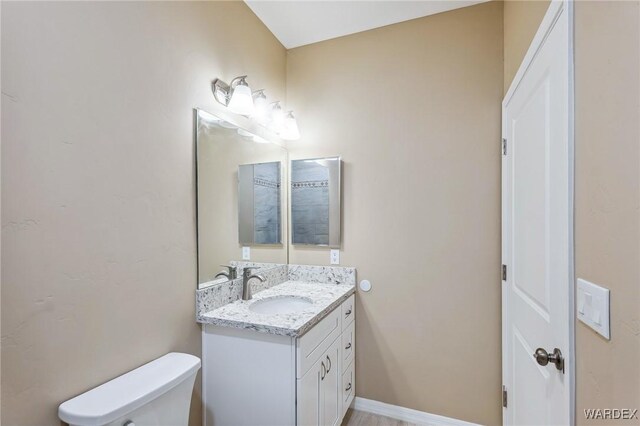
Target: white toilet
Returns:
[158, 394]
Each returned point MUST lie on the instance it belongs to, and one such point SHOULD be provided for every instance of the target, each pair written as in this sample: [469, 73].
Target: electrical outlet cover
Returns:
[335, 257]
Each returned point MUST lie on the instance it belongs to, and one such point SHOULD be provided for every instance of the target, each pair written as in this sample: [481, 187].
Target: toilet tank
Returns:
[156, 394]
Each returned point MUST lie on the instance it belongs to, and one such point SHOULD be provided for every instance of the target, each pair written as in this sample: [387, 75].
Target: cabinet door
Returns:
[348, 387]
[330, 399]
[308, 397]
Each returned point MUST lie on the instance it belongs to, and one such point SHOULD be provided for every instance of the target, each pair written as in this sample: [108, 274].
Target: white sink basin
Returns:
[280, 305]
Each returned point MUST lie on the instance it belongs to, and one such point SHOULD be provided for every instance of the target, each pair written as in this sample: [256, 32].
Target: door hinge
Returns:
[504, 272]
[504, 396]
[504, 146]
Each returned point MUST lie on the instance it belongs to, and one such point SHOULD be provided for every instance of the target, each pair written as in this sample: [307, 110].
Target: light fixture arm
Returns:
[275, 105]
[259, 94]
[236, 81]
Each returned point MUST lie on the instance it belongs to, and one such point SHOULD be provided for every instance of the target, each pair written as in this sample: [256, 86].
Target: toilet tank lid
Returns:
[128, 392]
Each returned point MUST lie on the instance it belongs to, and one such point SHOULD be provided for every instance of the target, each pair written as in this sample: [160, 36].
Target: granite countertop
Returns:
[324, 297]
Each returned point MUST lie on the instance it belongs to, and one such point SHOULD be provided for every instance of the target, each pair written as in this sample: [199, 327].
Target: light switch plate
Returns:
[335, 257]
[593, 307]
[246, 253]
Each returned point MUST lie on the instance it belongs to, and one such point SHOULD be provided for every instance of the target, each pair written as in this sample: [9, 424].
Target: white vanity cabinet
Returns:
[252, 378]
[318, 391]
[325, 368]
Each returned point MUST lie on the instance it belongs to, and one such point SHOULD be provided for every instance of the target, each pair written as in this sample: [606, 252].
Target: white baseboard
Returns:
[405, 414]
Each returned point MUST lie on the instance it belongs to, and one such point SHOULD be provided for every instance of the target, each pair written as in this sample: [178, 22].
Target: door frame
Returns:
[553, 12]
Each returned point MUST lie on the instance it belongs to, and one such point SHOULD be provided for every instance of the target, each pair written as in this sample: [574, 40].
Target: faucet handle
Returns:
[247, 269]
[230, 273]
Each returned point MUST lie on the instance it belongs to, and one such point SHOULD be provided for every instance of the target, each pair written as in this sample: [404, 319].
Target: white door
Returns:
[537, 223]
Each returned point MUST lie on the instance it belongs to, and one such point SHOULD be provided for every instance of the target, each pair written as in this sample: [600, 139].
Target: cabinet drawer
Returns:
[312, 345]
[348, 343]
[348, 387]
[348, 311]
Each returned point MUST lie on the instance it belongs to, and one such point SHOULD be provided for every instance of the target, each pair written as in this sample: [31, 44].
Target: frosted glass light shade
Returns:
[290, 129]
[241, 101]
[261, 109]
[277, 119]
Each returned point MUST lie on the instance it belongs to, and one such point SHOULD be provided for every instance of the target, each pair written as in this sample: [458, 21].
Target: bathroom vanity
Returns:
[286, 357]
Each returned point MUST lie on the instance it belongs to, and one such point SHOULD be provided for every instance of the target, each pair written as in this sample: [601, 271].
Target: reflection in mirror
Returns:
[259, 203]
[225, 152]
[315, 201]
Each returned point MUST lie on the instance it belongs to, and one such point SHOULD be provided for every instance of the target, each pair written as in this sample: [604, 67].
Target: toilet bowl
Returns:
[156, 394]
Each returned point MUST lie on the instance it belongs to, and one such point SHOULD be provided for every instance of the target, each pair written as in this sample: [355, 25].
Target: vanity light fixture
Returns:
[236, 95]
[290, 129]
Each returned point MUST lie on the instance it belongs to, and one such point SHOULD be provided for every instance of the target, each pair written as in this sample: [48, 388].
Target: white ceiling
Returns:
[299, 22]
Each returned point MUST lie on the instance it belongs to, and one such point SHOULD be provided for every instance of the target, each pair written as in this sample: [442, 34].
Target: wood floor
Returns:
[360, 418]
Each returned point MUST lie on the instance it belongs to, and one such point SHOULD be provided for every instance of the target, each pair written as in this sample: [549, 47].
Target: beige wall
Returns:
[414, 110]
[98, 219]
[607, 77]
[521, 21]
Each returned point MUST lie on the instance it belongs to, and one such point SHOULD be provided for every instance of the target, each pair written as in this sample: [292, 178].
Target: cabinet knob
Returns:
[346, 314]
[329, 363]
[348, 388]
[323, 371]
[348, 346]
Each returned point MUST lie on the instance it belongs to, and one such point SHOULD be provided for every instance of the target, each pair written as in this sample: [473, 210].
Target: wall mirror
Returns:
[315, 201]
[241, 193]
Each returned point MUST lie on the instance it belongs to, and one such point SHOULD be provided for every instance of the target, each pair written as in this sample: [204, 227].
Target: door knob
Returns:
[543, 358]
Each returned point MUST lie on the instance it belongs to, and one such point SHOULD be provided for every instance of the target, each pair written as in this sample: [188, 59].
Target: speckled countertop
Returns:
[325, 298]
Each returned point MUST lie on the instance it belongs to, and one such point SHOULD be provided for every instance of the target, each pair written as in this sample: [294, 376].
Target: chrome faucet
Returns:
[246, 276]
[230, 274]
